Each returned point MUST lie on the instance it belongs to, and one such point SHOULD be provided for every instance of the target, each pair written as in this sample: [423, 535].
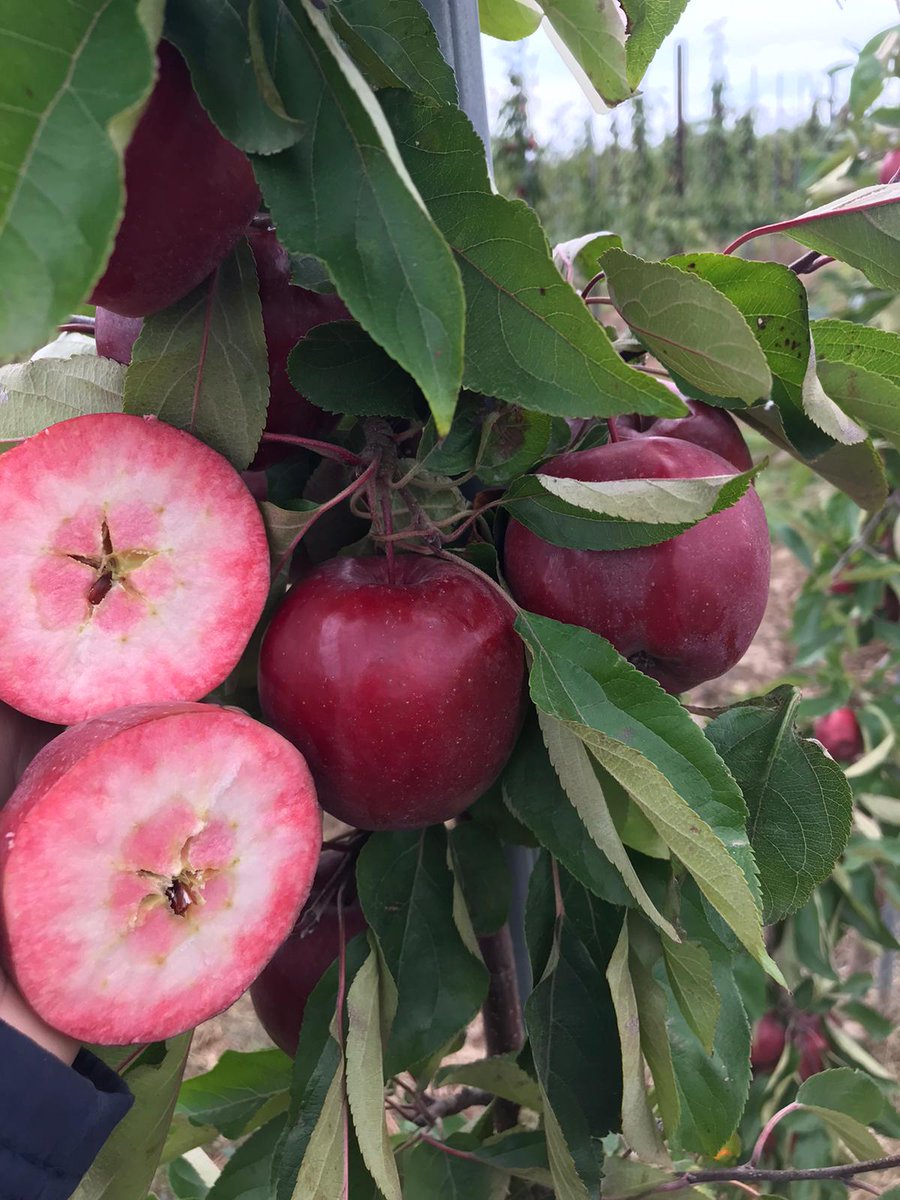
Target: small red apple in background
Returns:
[280, 994]
[890, 165]
[768, 1042]
[189, 196]
[889, 609]
[712, 428]
[401, 684]
[840, 734]
[20, 739]
[809, 1038]
[683, 611]
[151, 862]
[136, 567]
[841, 587]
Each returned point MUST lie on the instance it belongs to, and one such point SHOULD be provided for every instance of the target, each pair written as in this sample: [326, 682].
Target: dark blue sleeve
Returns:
[53, 1118]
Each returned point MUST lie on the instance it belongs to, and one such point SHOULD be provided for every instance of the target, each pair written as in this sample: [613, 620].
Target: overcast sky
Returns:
[758, 41]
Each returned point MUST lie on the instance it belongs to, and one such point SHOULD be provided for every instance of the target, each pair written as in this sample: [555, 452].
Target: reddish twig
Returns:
[746, 1173]
[760, 1145]
[591, 284]
[600, 300]
[349, 490]
[325, 449]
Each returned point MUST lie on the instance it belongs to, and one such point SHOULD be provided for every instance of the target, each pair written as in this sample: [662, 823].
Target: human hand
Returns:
[15, 1012]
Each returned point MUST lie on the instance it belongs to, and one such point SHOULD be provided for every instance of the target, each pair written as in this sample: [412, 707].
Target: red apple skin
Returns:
[889, 609]
[280, 994]
[768, 1043]
[405, 696]
[115, 335]
[189, 196]
[840, 734]
[683, 611]
[842, 587]
[707, 426]
[890, 165]
[288, 313]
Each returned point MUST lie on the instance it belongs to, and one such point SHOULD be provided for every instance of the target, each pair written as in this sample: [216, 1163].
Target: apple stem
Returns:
[611, 426]
[591, 284]
[325, 449]
[387, 516]
[774, 1120]
[84, 325]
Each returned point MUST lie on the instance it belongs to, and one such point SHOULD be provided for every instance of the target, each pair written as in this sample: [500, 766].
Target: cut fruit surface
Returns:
[151, 863]
[136, 567]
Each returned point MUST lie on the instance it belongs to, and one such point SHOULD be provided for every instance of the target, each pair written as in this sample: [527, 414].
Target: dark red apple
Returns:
[280, 993]
[889, 609]
[768, 1042]
[683, 611]
[841, 587]
[707, 426]
[288, 313]
[115, 335]
[890, 165]
[189, 196]
[809, 1038]
[840, 734]
[403, 686]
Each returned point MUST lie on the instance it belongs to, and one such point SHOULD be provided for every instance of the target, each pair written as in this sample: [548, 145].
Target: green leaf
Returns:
[860, 369]
[624, 1178]
[429, 1172]
[186, 1182]
[847, 1101]
[718, 875]
[858, 470]
[523, 1153]
[689, 971]
[653, 1014]
[341, 369]
[501, 1077]
[773, 302]
[572, 1030]
[529, 338]
[582, 254]
[871, 70]
[712, 1088]
[862, 229]
[876, 350]
[650, 745]
[479, 866]
[619, 514]
[322, 1169]
[69, 90]
[232, 1093]
[799, 800]
[39, 393]
[365, 1077]
[394, 42]
[317, 1067]
[638, 1124]
[202, 364]
[214, 37]
[124, 1168]
[689, 325]
[509, 20]
[247, 1175]
[649, 24]
[360, 214]
[534, 795]
[594, 34]
[406, 891]
[284, 524]
[576, 774]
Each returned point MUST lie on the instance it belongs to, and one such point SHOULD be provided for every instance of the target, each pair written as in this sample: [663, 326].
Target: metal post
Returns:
[456, 24]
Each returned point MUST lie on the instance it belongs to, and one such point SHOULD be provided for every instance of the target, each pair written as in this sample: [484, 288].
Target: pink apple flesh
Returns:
[151, 863]
[136, 567]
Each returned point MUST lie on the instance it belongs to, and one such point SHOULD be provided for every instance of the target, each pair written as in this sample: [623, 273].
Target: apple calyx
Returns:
[112, 567]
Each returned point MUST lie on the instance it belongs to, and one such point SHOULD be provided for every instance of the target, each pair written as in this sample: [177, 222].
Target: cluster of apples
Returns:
[159, 835]
[805, 1031]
